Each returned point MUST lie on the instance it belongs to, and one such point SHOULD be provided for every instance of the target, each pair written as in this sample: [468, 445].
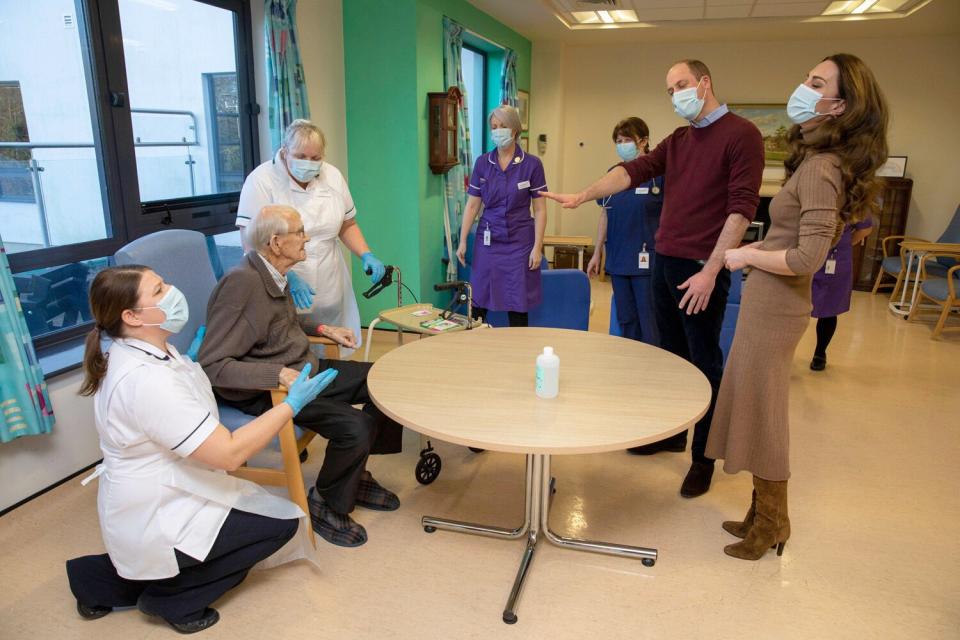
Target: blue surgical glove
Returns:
[301, 292]
[373, 266]
[304, 390]
[194, 349]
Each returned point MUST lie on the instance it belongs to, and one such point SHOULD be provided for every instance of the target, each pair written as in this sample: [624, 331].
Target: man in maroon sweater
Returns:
[712, 171]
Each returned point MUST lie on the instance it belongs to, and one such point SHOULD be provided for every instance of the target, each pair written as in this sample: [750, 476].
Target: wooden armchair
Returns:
[940, 291]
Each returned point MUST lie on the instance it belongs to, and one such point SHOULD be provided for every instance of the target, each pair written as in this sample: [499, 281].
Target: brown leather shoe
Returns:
[771, 524]
[698, 479]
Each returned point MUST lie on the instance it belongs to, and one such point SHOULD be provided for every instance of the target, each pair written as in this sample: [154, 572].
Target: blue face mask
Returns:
[686, 103]
[304, 170]
[627, 150]
[174, 306]
[501, 137]
[802, 105]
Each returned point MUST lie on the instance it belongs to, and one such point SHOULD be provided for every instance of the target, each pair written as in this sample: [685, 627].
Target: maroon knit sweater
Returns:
[710, 173]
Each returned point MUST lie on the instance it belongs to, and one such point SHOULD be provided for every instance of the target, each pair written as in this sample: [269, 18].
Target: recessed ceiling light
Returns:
[864, 7]
[608, 19]
[624, 15]
[586, 17]
[841, 8]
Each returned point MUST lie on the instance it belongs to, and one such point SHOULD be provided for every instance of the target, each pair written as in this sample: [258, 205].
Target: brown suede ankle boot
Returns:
[741, 529]
[771, 525]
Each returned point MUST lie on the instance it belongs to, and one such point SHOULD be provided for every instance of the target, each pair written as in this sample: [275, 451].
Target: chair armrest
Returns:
[886, 250]
[940, 254]
[331, 348]
[953, 277]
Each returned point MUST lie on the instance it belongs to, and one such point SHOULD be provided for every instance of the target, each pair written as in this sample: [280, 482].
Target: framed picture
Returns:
[525, 143]
[894, 167]
[773, 123]
[523, 106]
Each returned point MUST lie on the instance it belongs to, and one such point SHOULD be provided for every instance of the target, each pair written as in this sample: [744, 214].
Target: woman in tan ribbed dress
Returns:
[837, 144]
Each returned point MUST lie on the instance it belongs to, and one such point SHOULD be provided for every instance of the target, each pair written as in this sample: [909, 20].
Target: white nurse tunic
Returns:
[324, 206]
[152, 411]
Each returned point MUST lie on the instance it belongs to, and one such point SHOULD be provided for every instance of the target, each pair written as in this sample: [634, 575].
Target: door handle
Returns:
[118, 99]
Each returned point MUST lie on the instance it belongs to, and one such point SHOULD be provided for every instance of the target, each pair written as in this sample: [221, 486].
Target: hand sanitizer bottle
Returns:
[548, 374]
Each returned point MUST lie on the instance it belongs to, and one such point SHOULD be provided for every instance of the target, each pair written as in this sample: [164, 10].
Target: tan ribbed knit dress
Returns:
[750, 428]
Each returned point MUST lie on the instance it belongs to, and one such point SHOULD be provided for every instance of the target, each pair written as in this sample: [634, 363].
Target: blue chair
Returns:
[565, 305]
[730, 315]
[614, 325]
[894, 263]
[940, 291]
[181, 257]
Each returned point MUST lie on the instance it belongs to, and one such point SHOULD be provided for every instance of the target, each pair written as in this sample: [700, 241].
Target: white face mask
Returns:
[802, 105]
[502, 137]
[686, 103]
[175, 308]
[304, 170]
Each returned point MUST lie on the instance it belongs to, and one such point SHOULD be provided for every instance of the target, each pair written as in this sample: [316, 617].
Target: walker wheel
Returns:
[304, 455]
[648, 562]
[428, 468]
[429, 529]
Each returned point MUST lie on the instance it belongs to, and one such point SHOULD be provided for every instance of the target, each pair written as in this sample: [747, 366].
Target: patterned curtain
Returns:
[287, 89]
[25, 408]
[508, 79]
[455, 180]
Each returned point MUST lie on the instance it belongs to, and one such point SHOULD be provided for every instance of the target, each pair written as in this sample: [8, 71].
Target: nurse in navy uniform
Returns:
[508, 247]
[625, 233]
[178, 531]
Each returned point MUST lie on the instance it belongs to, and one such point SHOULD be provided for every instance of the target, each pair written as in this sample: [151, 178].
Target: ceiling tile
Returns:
[740, 11]
[788, 9]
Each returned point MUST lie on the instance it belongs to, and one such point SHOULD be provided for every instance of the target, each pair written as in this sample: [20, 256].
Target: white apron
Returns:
[151, 499]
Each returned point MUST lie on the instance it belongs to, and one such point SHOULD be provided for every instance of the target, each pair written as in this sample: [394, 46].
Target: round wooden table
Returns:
[476, 388]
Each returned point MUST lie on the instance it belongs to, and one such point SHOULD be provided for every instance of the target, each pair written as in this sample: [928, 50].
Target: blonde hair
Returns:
[300, 132]
[508, 117]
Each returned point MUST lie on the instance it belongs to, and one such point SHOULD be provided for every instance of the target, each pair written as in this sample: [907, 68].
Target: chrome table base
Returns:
[539, 488]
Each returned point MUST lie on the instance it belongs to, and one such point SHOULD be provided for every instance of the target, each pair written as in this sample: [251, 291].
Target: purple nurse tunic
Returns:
[831, 292]
[500, 276]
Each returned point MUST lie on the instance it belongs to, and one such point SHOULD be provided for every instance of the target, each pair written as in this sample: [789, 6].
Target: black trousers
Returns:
[515, 318]
[353, 434]
[696, 337]
[244, 540]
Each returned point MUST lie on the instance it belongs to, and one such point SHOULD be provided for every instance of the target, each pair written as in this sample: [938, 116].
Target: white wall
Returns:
[320, 27]
[601, 84]
[32, 463]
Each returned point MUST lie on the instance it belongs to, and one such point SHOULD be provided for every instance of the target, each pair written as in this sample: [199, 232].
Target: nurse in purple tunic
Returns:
[508, 245]
[832, 286]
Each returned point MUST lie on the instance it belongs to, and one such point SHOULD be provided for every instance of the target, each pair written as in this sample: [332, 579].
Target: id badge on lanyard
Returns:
[644, 258]
[830, 267]
[486, 236]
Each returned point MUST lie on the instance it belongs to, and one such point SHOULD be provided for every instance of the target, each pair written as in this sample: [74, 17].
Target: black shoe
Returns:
[92, 613]
[209, 618]
[672, 445]
[698, 479]
[819, 363]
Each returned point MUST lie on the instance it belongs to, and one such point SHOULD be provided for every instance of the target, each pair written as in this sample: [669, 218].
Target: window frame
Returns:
[126, 217]
[484, 134]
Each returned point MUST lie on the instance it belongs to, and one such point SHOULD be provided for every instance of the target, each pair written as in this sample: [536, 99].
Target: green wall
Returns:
[393, 53]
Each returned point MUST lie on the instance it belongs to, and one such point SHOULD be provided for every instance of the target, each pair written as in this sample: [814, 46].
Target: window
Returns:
[141, 118]
[16, 184]
[223, 116]
[473, 64]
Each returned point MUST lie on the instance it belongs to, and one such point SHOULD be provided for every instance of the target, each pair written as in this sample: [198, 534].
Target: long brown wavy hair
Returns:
[858, 137]
[113, 291]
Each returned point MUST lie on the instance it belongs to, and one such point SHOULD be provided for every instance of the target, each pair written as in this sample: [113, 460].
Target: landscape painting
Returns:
[773, 123]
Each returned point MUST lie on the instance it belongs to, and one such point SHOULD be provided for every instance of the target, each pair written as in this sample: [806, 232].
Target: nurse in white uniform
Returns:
[297, 176]
[178, 531]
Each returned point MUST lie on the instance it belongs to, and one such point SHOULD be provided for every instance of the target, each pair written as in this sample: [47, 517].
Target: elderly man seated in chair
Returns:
[254, 341]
